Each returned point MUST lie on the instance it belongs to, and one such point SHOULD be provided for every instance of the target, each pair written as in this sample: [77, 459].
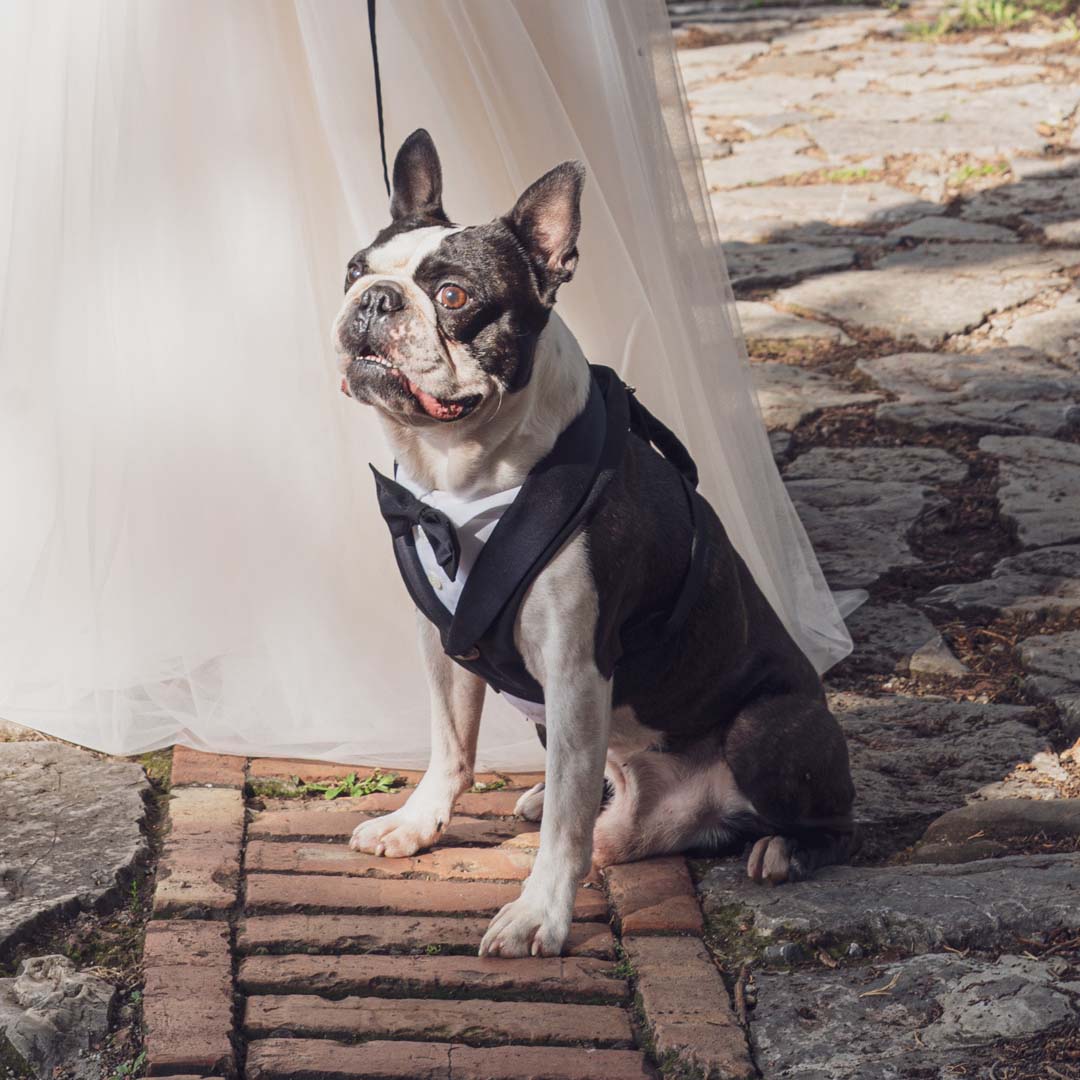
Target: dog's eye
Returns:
[354, 273]
[452, 296]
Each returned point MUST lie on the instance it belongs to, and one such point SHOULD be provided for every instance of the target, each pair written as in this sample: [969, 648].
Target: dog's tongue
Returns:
[436, 409]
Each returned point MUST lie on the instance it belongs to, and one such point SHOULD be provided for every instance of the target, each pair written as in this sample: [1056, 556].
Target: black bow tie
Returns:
[402, 510]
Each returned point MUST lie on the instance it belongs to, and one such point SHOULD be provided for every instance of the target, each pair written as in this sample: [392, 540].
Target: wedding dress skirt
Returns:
[190, 549]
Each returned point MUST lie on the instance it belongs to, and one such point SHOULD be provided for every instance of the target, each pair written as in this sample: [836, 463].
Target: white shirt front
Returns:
[474, 521]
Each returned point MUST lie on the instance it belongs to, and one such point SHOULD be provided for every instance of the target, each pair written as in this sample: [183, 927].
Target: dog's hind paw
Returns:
[531, 805]
[770, 861]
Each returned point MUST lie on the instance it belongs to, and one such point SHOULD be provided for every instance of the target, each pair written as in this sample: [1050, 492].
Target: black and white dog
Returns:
[629, 627]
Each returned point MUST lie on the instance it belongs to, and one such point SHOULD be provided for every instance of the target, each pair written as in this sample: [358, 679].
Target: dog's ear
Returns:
[417, 180]
[546, 220]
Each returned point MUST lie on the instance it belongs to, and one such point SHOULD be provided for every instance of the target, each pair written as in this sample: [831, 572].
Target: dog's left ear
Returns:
[546, 219]
[417, 180]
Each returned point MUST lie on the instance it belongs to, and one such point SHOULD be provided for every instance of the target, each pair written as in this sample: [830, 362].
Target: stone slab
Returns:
[859, 528]
[1000, 391]
[1056, 655]
[916, 909]
[894, 464]
[952, 230]
[921, 1016]
[1040, 487]
[1054, 331]
[71, 824]
[913, 758]
[896, 638]
[753, 266]
[762, 322]
[1044, 582]
[776, 214]
[757, 161]
[931, 292]
[987, 828]
[787, 395]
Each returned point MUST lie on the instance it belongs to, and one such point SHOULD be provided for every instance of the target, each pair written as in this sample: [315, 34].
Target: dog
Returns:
[716, 734]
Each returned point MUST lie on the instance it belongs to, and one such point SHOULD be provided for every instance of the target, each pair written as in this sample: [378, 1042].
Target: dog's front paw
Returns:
[398, 835]
[526, 928]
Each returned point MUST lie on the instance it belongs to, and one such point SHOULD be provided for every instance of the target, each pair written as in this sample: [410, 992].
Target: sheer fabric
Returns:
[189, 545]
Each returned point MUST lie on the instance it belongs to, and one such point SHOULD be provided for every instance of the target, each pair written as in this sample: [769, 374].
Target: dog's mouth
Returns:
[443, 410]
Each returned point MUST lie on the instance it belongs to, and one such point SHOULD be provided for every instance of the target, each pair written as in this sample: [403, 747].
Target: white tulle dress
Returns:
[190, 549]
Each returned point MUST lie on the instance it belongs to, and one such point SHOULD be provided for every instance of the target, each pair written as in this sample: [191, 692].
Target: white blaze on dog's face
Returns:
[439, 320]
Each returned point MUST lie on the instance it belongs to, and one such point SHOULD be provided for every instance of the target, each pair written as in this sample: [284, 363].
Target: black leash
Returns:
[378, 91]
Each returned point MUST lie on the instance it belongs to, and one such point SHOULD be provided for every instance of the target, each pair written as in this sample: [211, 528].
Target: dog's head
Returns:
[441, 320]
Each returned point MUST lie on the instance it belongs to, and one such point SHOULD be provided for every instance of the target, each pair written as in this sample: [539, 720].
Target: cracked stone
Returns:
[759, 161]
[819, 1024]
[964, 76]
[914, 758]
[71, 825]
[761, 322]
[952, 230]
[1003, 391]
[1040, 491]
[902, 464]
[702, 65]
[1048, 775]
[771, 122]
[751, 266]
[1044, 582]
[756, 96]
[787, 395]
[1057, 655]
[934, 291]
[1055, 332]
[895, 638]
[915, 908]
[762, 213]
[859, 528]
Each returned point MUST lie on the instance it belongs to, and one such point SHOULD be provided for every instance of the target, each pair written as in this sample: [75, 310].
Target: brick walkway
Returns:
[277, 952]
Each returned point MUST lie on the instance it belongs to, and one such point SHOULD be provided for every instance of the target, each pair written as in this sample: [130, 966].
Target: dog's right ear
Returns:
[417, 180]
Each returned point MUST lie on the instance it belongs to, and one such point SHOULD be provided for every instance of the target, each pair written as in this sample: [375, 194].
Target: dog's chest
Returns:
[474, 521]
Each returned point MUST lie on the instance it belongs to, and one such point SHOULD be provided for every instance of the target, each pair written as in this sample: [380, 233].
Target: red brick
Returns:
[199, 869]
[686, 1006]
[554, 978]
[187, 999]
[333, 821]
[320, 1059]
[282, 893]
[194, 767]
[446, 864]
[287, 768]
[655, 897]
[392, 933]
[546, 1063]
[459, 1021]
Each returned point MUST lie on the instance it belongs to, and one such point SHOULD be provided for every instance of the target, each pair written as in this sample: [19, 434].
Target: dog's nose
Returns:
[382, 298]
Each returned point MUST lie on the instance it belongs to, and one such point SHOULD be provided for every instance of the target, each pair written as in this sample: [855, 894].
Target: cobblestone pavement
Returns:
[901, 217]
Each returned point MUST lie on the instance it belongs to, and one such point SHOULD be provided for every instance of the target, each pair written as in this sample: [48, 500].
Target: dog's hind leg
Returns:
[789, 758]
